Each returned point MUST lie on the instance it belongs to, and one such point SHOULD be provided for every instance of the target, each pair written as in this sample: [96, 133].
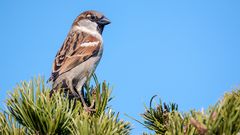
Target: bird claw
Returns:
[89, 108]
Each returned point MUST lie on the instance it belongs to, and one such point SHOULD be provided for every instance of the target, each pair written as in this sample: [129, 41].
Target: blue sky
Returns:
[184, 51]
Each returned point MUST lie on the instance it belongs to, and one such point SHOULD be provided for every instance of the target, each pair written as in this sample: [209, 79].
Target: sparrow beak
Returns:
[104, 21]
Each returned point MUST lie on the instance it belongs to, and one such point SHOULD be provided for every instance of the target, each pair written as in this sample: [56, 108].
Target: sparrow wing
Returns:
[77, 48]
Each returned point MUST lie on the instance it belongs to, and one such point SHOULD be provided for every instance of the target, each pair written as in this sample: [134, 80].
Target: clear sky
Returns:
[185, 51]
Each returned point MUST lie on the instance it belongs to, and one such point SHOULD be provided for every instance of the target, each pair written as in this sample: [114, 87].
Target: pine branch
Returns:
[223, 118]
[9, 126]
[37, 113]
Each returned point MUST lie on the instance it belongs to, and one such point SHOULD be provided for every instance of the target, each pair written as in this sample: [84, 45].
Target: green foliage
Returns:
[105, 124]
[32, 107]
[157, 118]
[223, 118]
[32, 111]
[9, 126]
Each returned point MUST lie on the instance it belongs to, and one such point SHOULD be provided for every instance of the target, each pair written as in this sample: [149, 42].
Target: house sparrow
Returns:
[80, 54]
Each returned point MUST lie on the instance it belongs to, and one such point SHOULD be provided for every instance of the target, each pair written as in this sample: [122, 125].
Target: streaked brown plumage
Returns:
[80, 53]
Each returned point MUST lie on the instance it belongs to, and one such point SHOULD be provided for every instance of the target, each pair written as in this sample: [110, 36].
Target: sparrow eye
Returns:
[93, 17]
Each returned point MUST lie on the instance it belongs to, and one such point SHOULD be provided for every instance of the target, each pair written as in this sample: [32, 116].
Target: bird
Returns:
[81, 51]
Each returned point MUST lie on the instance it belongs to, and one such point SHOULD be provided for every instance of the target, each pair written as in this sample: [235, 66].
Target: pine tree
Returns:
[32, 111]
[221, 119]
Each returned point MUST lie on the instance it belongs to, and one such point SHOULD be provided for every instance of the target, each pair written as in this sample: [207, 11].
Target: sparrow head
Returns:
[92, 20]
